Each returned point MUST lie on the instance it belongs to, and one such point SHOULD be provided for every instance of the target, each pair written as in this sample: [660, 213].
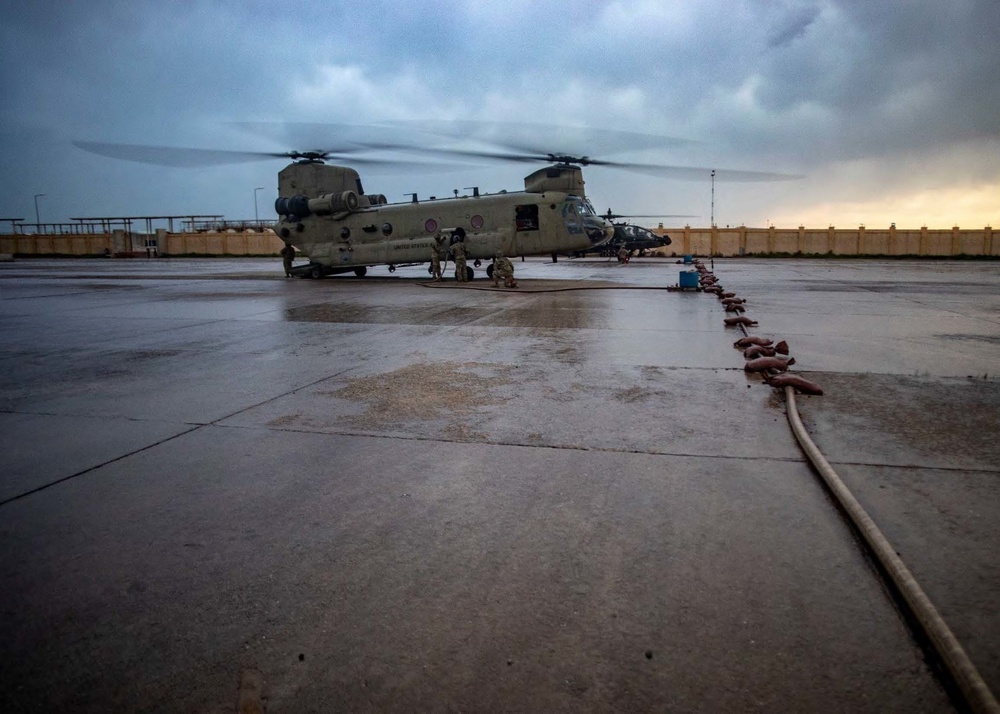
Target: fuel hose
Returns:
[970, 683]
[975, 691]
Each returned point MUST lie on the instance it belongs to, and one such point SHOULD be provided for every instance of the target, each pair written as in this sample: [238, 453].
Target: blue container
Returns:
[689, 278]
[688, 258]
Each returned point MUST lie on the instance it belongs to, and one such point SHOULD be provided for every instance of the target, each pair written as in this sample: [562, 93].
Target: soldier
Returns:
[503, 269]
[436, 251]
[460, 252]
[287, 256]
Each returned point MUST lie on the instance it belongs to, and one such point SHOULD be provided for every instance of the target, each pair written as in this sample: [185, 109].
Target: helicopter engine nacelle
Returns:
[301, 206]
[343, 202]
[297, 206]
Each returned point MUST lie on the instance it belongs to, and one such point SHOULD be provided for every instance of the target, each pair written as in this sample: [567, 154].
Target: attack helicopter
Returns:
[326, 215]
[634, 239]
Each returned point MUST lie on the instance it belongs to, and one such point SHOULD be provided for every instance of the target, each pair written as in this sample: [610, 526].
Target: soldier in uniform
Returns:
[460, 252]
[436, 251]
[287, 256]
[503, 269]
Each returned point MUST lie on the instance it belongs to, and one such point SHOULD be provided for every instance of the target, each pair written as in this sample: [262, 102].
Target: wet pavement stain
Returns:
[425, 392]
[988, 339]
[916, 416]
[635, 394]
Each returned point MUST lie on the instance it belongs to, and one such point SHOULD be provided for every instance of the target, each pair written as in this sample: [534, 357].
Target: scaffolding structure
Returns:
[94, 225]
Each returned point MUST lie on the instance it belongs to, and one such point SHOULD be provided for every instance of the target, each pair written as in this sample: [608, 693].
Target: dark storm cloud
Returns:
[793, 26]
[792, 85]
[891, 75]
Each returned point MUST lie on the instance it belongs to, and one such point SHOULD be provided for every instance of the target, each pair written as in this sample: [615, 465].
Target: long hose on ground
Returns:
[949, 650]
[977, 694]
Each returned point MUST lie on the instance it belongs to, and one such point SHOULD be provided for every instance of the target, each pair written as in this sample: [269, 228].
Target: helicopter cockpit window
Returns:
[526, 217]
[386, 229]
[571, 217]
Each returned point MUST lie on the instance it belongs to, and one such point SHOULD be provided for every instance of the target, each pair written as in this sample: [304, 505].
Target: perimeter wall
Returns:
[935, 242]
[162, 243]
[832, 241]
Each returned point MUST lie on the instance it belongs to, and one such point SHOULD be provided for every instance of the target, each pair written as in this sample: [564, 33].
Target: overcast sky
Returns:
[889, 108]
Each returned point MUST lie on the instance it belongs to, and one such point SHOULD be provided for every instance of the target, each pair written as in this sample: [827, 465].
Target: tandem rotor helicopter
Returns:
[326, 215]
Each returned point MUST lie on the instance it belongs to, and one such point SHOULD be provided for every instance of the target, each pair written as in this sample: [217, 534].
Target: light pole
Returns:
[256, 220]
[38, 221]
[713, 198]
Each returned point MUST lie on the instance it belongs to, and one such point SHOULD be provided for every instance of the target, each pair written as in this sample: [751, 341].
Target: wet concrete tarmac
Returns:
[378, 495]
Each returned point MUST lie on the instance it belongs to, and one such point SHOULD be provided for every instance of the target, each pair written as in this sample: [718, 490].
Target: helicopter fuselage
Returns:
[632, 238]
[343, 228]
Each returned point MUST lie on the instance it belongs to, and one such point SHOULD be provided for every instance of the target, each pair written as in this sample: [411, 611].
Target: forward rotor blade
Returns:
[350, 137]
[193, 158]
[174, 156]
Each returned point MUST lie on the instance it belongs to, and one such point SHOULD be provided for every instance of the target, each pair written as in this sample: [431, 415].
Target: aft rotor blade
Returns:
[697, 173]
[611, 216]
[470, 154]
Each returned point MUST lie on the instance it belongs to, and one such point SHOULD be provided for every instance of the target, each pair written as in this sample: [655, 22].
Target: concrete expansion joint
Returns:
[94, 468]
[516, 444]
[917, 467]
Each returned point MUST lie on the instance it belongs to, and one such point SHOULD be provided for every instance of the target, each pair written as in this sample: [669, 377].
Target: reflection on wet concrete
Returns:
[486, 501]
[384, 314]
[568, 314]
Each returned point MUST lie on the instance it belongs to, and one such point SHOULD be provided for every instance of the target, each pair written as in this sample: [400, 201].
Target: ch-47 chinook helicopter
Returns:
[326, 215]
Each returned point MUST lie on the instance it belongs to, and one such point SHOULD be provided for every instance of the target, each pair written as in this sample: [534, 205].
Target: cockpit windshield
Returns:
[579, 216]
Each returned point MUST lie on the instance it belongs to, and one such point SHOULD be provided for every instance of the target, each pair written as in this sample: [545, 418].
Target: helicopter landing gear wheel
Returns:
[361, 272]
[489, 270]
[469, 273]
[392, 268]
[316, 272]
[477, 262]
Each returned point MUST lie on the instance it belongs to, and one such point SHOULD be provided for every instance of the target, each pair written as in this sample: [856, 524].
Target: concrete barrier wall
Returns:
[67, 244]
[686, 241]
[948, 242]
[167, 244]
[221, 244]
